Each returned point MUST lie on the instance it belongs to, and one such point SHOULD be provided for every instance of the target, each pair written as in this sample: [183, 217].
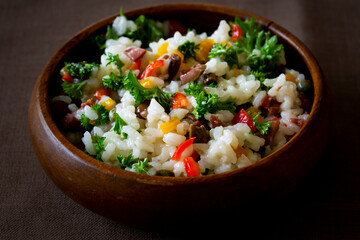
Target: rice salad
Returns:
[165, 100]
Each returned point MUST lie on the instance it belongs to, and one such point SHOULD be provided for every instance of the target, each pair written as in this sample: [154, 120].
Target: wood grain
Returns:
[140, 199]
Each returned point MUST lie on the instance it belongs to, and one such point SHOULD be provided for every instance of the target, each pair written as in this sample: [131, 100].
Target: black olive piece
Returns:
[141, 110]
[201, 134]
[210, 78]
[174, 65]
[216, 122]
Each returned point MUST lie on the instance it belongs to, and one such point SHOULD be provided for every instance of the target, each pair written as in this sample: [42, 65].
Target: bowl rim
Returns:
[43, 82]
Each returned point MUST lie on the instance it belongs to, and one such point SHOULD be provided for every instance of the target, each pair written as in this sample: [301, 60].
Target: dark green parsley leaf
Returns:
[103, 114]
[250, 33]
[141, 94]
[113, 82]
[188, 49]
[206, 101]
[73, 90]
[114, 58]
[261, 76]
[263, 127]
[98, 145]
[146, 31]
[103, 117]
[85, 122]
[142, 166]
[80, 70]
[226, 53]
[119, 123]
[267, 56]
[127, 162]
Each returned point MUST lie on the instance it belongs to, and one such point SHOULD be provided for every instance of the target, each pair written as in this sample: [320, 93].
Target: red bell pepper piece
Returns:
[243, 117]
[101, 92]
[135, 65]
[179, 101]
[236, 32]
[68, 78]
[151, 68]
[185, 149]
[192, 168]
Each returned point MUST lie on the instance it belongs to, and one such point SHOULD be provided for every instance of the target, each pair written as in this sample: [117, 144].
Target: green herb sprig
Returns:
[188, 49]
[207, 102]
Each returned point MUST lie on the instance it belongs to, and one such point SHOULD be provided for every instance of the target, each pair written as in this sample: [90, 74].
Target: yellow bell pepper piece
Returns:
[147, 83]
[163, 49]
[177, 52]
[290, 77]
[170, 125]
[108, 104]
[202, 54]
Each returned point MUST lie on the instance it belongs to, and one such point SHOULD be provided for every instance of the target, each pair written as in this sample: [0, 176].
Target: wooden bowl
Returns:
[140, 199]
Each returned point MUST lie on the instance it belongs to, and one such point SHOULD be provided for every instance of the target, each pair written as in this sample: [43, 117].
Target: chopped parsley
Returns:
[142, 166]
[114, 58]
[206, 101]
[129, 161]
[98, 146]
[80, 70]
[188, 49]
[113, 82]
[226, 53]
[263, 127]
[147, 31]
[73, 90]
[262, 49]
[85, 122]
[103, 117]
[119, 123]
[141, 93]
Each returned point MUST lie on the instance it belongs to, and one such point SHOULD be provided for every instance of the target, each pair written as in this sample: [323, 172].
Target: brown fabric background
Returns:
[325, 206]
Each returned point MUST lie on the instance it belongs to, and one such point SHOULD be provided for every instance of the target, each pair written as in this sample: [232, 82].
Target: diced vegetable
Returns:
[67, 77]
[149, 70]
[202, 53]
[185, 149]
[236, 32]
[101, 92]
[192, 168]
[108, 104]
[147, 83]
[290, 77]
[135, 65]
[243, 117]
[179, 101]
[163, 49]
[170, 125]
